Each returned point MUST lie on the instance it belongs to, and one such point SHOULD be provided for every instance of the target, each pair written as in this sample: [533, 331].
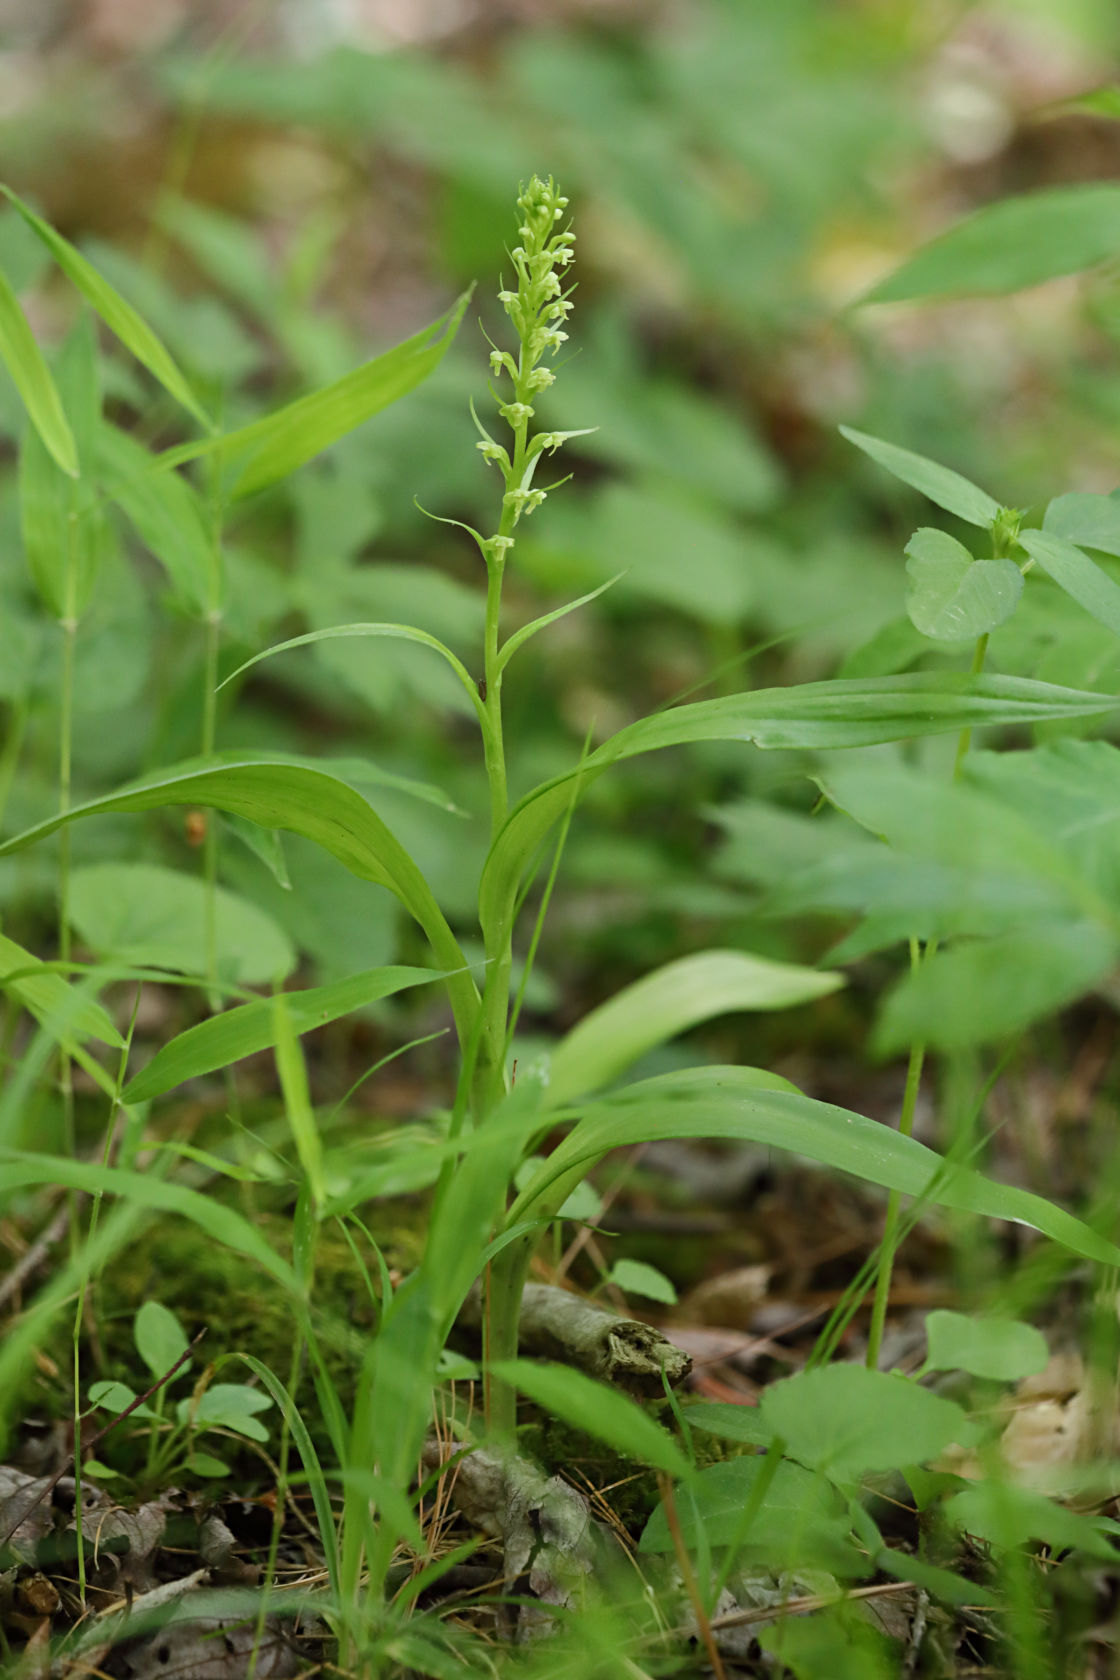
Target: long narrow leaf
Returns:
[1079, 576]
[942, 485]
[117, 314]
[308, 802]
[721, 1102]
[250, 1027]
[32, 379]
[669, 1001]
[859, 713]
[22, 1170]
[269, 449]
[50, 999]
[1015, 243]
[520, 637]
[396, 632]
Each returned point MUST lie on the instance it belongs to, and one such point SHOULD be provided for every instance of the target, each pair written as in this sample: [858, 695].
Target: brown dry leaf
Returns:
[729, 1300]
[25, 1511]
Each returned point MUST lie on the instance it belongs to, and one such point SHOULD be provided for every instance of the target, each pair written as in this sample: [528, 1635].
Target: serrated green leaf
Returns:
[952, 597]
[1012, 244]
[942, 485]
[669, 1001]
[248, 1028]
[117, 314]
[609, 1416]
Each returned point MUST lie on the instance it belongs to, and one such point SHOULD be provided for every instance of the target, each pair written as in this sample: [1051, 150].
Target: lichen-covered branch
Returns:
[556, 1324]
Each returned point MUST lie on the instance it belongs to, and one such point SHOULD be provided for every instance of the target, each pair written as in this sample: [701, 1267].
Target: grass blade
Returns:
[668, 1002]
[118, 315]
[248, 1028]
[32, 379]
[275, 446]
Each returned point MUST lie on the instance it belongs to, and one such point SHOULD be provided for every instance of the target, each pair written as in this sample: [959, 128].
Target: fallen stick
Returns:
[555, 1324]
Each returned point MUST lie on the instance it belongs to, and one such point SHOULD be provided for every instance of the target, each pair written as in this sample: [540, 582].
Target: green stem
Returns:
[69, 627]
[894, 1200]
[910, 1096]
[210, 843]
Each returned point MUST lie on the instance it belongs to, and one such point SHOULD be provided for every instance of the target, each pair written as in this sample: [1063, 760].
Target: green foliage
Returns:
[225, 1408]
[1009, 865]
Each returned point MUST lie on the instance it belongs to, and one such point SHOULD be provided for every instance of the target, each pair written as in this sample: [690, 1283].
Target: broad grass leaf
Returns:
[799, 1512]
[989, 988]
[668, 1002]
[602, 1412]
[160, 1338]
[1006, 1515]
[118, 315]
[32, 379]
[20, 1169]
[846, 1421]
[250, 1027]
[147, 914]
[942, 485]
[281, 795]
[812, 716]
[1088, 520]
[167, 516]
[1080, 577]
[952, 597]
[723, 1102]
[1015, 243]
[51, 999]
[271, 448]
[1001, 1349]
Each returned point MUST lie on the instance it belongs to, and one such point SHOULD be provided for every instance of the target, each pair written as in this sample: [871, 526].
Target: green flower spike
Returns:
[537, 308]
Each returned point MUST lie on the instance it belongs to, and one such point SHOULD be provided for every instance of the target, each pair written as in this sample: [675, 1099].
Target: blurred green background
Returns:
[285, 189]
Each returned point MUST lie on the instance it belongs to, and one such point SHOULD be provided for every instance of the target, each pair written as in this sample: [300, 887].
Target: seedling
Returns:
[173, 1430]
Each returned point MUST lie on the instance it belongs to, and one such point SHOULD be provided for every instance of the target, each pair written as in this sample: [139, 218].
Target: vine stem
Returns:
[914, 1069]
